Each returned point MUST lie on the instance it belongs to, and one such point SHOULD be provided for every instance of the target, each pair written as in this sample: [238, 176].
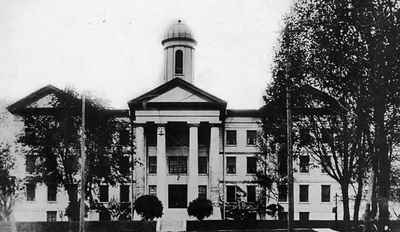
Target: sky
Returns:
[112, 48]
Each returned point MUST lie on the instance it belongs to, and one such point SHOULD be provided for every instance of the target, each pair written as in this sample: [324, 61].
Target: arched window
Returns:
[178, 62]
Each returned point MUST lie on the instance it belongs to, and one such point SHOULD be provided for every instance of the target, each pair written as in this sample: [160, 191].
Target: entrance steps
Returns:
[173, 220]
[172, 225]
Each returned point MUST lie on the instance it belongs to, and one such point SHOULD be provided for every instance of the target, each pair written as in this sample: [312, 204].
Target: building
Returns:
[191, 146]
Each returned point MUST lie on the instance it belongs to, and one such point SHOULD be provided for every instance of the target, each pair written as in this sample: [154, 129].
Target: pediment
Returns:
[178, 94]
[48, 101]
[43, 98]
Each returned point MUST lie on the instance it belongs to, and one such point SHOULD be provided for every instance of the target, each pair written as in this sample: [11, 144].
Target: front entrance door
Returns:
[177, 196]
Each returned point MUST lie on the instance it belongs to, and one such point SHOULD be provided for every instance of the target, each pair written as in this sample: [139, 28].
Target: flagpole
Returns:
[83, 171]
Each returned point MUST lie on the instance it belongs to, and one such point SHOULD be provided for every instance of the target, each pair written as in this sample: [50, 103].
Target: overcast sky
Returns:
[112, 48]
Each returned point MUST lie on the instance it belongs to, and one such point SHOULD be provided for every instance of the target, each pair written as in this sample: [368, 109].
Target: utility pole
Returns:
[289, 148]
[289, 125]
[289, 155]
[83, 171]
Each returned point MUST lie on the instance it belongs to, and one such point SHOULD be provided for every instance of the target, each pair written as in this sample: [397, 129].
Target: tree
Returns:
[117, 210]
[318, 131]
[274, 210]
[53, 136]
[349, 49]
[149, 207]
[8, 183]
[73, 209]
[200, 208]
[271, 160]
[239, 210]
[10, 128]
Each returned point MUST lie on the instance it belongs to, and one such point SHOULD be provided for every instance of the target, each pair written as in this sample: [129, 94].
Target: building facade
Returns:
[188, 145]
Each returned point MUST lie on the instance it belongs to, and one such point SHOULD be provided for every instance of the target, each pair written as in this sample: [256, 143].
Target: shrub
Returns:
[240, 211]
[149, 207]
[200, 208]
[274, 209]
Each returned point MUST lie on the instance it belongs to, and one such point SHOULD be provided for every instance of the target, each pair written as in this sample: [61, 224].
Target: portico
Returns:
[178, 145]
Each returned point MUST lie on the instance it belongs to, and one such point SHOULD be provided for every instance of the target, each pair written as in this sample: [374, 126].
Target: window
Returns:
[204, 135]
[282, 192]
[325, 193]
[251, 193]
[177, 134]
[230, 193]
[151, 135]
[153, 190]
[251, 165]
[303, 193]
[30, 136]
[103, 193]
[51, 192]
[304, 163]
[74, 190]
[282, 161]
[203, 191]
[231, 165]
[30, 163]
[51, 216]
[124, 193]
[30, 192]
[304, 216]
[251, 137]
[177, 196]
[231, 137]
[152, 164]
[177, 164]
[124, 137]
[178, 62]
[203, 165]
[124, 164]
[325, 161]
[326, 135]
[305, 137]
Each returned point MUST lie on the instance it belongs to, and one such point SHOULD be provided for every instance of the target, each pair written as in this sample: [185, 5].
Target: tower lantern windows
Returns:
[179, 62]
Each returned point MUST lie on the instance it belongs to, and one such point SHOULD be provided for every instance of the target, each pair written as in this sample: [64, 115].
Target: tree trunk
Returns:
[346, 207]
[383, 160]
[374, 202]
[73, 202]
[262, 203]
[357, 201]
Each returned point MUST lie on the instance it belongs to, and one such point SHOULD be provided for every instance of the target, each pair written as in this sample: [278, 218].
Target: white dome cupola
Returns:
[178, 42]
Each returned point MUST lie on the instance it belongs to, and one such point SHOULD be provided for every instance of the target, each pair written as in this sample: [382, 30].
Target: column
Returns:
[162, 190]
[140, 165]
[215, 169]
[193, 162]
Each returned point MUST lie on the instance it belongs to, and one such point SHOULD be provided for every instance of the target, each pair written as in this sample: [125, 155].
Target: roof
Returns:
[306, 93]
[178, 31]
[144, 101]
[243, 113]
[117, 113]
[22, 105]
[34, 96]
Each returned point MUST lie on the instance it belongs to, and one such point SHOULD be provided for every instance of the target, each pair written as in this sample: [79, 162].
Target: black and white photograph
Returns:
[200, 116]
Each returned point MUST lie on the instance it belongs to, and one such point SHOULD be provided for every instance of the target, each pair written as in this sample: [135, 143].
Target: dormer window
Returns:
[179, 62]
